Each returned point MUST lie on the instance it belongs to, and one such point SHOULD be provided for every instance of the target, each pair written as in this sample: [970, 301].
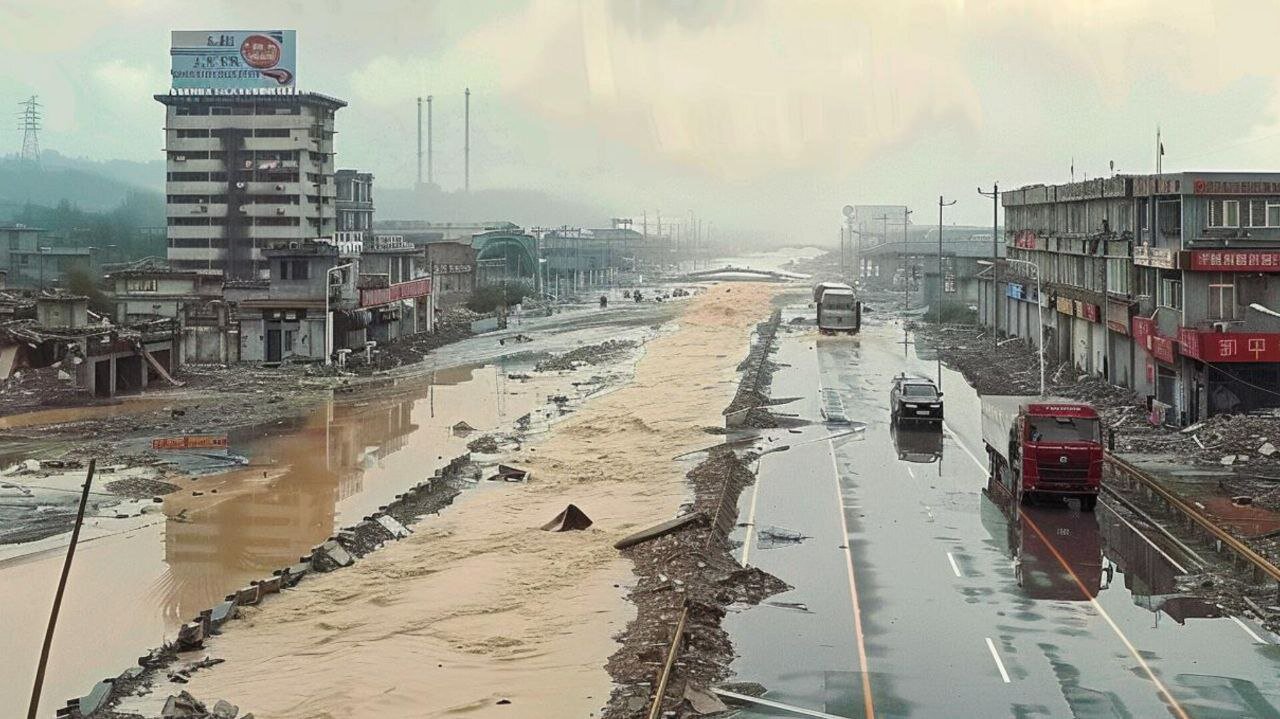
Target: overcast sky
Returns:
[753, 113]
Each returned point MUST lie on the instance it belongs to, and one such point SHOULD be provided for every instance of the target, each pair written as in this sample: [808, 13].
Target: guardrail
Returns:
[1262, 567]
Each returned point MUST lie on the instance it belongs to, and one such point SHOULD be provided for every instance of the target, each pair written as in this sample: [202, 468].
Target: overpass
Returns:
[729, 272]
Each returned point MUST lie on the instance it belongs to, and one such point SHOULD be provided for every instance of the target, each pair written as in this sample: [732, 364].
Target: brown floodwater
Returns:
[129, 591]
[59, 415]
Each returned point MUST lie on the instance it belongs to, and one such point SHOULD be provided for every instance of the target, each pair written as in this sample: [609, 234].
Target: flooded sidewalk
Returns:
[479, 606]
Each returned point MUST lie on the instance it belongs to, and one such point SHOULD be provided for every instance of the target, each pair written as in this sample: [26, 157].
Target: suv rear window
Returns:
[926, 391]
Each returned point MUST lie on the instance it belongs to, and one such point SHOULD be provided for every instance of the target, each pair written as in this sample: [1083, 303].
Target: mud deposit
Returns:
[479, 611]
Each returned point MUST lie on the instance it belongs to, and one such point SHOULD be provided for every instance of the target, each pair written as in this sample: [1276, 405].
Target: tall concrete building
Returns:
[355, 202]
[246, 172]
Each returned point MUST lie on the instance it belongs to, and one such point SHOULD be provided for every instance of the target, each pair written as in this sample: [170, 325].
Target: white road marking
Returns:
[1249, 631]
[751, 518]
[999, 664]
[954, 567]
[981, 465]
[910, 472]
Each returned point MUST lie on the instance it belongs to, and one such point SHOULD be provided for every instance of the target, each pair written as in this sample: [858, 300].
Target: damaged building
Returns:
[1165, 284]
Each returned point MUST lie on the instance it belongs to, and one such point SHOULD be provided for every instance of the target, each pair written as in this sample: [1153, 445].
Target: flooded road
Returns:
[926, 598]
[130, 590]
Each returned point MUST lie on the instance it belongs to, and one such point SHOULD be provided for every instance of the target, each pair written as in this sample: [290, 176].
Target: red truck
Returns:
[1038, 446]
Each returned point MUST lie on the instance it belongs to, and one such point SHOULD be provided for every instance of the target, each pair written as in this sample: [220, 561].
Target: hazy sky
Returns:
[753, 113]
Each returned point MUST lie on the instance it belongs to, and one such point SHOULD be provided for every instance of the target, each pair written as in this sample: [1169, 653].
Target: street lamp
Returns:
[328, 315]
[1264, 309]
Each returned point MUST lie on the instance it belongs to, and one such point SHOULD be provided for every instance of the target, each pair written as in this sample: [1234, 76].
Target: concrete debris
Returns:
[483, 445]
[462, 428]
[1228, 460]
[508, 473]
[183, 706]
[224, 709]
[398, 530]
[587, 355]
[778, 534]
[571, 519]
[702, 701]
[660, 529]
[330, 556]
[1267, 449]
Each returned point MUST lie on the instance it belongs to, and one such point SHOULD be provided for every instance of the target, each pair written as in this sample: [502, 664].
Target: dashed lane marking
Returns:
[954, 567]
[996, 656]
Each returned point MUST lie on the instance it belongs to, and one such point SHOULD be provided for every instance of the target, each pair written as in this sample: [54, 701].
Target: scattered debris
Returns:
[484, 445]
[660, 529]
[508, 473]
[462, 428]
[570, 520]
[778, 535]
[586, 355]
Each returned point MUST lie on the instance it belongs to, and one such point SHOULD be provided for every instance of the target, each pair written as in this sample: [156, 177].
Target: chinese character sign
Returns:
[1235, 260]
[233, 59]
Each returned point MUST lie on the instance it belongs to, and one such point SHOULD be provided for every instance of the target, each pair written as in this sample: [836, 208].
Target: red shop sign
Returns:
[1162, 348]
[1230, 346]
[1234, 260]
[1091, 312]
[1143, 328]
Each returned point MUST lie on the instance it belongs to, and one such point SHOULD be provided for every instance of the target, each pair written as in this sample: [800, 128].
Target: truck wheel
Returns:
[1088, 502]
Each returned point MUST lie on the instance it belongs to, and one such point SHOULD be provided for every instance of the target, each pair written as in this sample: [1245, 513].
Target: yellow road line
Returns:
[868, 703]
[1146, 668]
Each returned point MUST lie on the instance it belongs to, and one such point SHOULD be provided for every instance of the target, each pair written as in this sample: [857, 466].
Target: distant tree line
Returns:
[135, 227]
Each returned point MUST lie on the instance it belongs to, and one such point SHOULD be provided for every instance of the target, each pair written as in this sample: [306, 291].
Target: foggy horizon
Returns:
[729, 109]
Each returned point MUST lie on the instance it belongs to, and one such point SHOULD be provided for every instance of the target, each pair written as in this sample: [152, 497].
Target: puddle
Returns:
[80, 414]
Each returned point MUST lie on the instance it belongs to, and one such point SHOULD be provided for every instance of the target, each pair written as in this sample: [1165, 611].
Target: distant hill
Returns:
[88, 185]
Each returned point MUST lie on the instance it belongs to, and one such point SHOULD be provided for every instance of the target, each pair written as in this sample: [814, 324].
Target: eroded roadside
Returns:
[479, 605]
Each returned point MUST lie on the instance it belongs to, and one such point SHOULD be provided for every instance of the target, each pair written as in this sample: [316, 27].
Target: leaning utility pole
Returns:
[995, 257]
[466, 148]
[29, 122]
[431, 175]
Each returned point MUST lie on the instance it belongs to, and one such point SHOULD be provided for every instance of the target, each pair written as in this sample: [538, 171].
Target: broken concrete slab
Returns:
[183, 706]
[224, 709]
[1267, 449]
[463, 428]
[391, 524]
[330, 556]
[511, 474]
[780, 534]
[660, 529]
[702, 701]
[571, 519]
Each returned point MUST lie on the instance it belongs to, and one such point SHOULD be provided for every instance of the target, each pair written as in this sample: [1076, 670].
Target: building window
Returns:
[1224, 213]
[1171, 294]
[288, 340]
[141, 285]
[294, 270]
[1169, 217]
[1222, 297]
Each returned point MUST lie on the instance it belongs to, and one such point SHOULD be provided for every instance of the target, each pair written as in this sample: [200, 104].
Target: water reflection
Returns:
[307, 477]
[917, 444]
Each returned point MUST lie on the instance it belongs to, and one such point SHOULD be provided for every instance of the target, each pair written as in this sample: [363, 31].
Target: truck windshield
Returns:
[1062, 429]
[919, 391]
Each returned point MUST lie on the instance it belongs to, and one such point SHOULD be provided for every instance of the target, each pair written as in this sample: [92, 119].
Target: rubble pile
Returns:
[29, 389]
[691, 566]
[586, 355]
[686, 567]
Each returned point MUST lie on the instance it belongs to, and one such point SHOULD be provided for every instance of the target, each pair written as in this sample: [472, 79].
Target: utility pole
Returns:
[431, 178]
[884, 235]
[906, 272]
[29, 121]
[466, 147]
[995, 257]
[842, 273]
[941, 204]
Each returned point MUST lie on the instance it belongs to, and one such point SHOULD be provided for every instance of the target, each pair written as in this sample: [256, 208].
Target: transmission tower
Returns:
[29, 122]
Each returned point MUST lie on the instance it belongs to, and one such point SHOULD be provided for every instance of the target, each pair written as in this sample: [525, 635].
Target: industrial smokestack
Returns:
[419, 185]
[431, 175]
[466, 163]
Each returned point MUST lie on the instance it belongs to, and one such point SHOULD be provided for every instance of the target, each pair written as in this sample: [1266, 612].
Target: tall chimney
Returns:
[466, 181]
[419, 185]
[431, 175]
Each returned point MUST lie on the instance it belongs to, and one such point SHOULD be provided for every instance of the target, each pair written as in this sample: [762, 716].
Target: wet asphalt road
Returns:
[959, 610]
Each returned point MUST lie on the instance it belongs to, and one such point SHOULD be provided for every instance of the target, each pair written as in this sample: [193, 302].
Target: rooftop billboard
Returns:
[233, 59]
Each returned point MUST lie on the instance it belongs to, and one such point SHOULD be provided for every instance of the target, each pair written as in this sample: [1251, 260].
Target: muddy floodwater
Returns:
[131, 587]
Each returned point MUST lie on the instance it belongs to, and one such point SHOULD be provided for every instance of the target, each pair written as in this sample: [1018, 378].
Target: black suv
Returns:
[915, 398]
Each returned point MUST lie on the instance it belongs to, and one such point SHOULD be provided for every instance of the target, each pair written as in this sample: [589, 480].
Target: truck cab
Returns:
[1040, 447]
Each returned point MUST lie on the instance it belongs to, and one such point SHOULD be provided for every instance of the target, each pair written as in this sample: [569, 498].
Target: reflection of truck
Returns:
[838, 308]
[1040, 446]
